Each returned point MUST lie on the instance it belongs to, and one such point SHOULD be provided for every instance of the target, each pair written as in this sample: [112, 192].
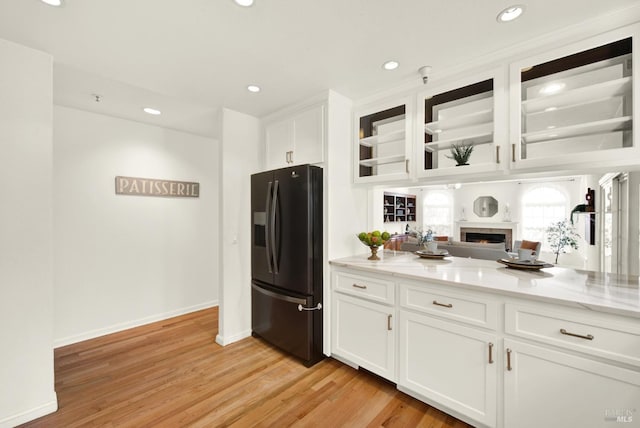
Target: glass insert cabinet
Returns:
[383, 140]
[575, 104]
[461, 113]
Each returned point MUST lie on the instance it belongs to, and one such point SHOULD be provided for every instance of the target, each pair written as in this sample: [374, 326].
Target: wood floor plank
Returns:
[173, 374]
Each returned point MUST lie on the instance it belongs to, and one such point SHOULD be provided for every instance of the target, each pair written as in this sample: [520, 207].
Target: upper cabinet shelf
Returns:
[390, 137]
[584, 95]
[582, 129]
[385, 160]
[484, 116]
[475, 139]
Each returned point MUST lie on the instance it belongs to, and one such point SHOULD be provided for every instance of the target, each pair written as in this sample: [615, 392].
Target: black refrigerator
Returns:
[286, 260]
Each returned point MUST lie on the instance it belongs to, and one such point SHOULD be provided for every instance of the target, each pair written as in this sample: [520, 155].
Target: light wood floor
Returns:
[172, 374]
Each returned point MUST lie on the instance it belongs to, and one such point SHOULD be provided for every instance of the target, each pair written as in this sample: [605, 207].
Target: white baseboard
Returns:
[35, 413]
[224, 341]
[130, 324]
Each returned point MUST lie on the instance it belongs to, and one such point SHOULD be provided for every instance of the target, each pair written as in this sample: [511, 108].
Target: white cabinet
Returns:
[491, 360]
[574, 104]
[466, 112]
[449, 365]
[363, 333]
[297, 139]
[547, 388]
[382, 147]
[581, 387]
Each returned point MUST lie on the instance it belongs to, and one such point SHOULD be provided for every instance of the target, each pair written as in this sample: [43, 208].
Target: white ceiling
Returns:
[189, 58]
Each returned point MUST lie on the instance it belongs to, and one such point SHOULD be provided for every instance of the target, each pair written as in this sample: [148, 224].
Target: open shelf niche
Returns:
[399, 207]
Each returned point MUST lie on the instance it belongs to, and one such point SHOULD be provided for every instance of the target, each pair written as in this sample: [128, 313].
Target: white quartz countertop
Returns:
[617, 294]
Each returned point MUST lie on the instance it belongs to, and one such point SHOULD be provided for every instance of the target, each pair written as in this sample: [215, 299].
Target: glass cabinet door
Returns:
[576, 107]
[382, 142]
[461, 116]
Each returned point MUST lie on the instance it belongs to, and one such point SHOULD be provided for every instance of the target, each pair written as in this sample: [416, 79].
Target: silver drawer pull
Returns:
[587, 337]
[445, 305]
[363, 287]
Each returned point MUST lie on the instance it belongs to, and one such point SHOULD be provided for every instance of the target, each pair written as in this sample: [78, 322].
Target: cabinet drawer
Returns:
[464, 307]
[379, 290]
[598, 334]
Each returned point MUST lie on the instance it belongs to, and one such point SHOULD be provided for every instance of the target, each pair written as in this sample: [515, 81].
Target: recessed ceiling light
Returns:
[510, 13]
[245, 3]
[152, 111]
[52, 2]
[552, 88]
[253, 88]
[390, 65]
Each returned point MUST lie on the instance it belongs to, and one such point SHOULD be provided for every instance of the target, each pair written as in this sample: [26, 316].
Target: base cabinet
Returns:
[490, 360]
[548, 388]
[448, 364]
[364, 334]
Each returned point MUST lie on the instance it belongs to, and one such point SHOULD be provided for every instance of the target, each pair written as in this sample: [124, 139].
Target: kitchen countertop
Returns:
[602, 292]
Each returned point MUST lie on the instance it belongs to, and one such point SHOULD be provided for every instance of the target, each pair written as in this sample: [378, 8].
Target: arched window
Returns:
[438, 213]
[542, 206]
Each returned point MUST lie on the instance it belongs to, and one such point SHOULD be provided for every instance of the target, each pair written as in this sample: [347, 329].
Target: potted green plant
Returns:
[461, 153]
[561, 235]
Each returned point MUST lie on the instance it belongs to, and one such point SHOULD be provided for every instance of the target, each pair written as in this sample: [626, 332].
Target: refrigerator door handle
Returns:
[274, 208]
[315, 308]
[279, 296]
[268, 229]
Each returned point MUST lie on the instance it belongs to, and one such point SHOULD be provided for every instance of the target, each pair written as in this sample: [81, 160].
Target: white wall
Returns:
[122, 261]
[240, 156]
[26, 287]
[347, 205]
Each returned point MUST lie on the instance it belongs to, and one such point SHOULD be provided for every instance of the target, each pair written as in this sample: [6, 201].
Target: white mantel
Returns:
[513, 225]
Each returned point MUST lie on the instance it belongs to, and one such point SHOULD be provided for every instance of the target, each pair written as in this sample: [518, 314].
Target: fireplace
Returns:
[488, 235]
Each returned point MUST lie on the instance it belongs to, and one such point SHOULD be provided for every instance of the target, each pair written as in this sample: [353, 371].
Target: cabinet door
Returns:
[382, 148]
[309, 136]
[449, 365]
[574, 104]
[547, 388]
[364, 333]
[279, 143]
[460, 115]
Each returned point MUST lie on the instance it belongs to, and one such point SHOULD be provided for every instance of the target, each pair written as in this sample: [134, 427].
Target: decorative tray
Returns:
[437, 254]
[525, 264]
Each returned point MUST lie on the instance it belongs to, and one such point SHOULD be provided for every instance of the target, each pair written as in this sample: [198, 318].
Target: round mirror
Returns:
[485, 206]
